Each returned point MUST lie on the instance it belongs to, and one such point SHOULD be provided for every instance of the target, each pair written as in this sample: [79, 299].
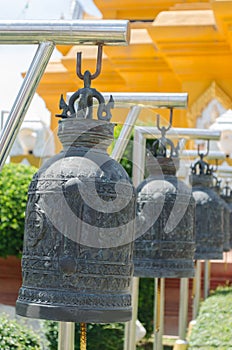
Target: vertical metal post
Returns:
[206, 278]
[66, 336]
[197, 287]
[139, 144]
[24, 98]
[117, 153]
[130, 329]
[159, 288]
[156, 313]
[183, 308]
[124, 136]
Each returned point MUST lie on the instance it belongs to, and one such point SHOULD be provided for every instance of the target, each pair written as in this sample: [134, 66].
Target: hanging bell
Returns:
[209, 212]
[165, 211]
[79, 228]
[226, 216]
[227, 196]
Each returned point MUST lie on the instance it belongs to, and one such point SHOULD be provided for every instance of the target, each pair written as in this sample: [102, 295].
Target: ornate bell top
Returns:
[77, 132]
[163, 157]
[77, 128]
[158, 166]
[227, 194]
[201, 173]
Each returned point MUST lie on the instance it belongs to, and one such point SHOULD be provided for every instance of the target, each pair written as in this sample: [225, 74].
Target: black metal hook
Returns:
[164, 129]
[201, 154]
[98, 65]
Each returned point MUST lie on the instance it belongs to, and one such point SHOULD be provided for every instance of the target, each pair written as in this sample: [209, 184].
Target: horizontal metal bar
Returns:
[175, 133]
[149, 99]
[89, 32]
[194, 154]
[224, 170]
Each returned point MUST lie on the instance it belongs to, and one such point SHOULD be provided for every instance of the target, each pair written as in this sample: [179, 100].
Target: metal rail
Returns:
[187, 133]
[78, 32]
[147, 99]
[48, 34]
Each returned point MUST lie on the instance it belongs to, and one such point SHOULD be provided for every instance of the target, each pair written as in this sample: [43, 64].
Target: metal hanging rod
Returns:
[187, 133]
[147, 99]
[61, 32]
[211, 155]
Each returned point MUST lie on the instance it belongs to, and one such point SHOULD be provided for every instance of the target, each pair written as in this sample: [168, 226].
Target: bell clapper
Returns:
[83, 342]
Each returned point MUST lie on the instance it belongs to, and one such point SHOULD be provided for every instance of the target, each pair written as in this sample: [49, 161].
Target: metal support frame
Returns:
[136, 101]
[140, 135]
[47, 35]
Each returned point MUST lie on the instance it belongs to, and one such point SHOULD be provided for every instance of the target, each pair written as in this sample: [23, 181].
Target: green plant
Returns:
[16, 336]
[214, 323]
[14, 182]
[126, 160]
[146, 304]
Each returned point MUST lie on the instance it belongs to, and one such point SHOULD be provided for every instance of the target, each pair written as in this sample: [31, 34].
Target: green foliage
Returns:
[15, 336]
[14, 182]
[99, 336]
[126, 160]
[146, 304]
[214, 323]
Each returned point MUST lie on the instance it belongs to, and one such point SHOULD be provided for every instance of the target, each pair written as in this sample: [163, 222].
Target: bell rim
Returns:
[71, 313]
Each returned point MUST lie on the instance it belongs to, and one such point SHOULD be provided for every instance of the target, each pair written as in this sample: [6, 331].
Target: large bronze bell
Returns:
[226, 216]
[209, 212]
[227, 196]
[165, 206]
[79, 228]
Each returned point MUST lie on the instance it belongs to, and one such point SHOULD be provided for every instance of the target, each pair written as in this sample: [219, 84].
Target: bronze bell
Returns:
[226, 216]
[227, 196]
[209, 212]
[166, 208]
[79, 229]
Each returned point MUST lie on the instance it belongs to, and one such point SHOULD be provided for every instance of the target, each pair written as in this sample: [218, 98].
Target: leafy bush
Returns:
[99, 336]
[214, 323]
[146, 304]
[14, 182]
[15, 336]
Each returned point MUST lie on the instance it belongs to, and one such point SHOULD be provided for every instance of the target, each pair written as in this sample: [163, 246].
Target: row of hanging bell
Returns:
[209, 212]
[226, 215]
[80, 222]
[166, 215]
[226, 194]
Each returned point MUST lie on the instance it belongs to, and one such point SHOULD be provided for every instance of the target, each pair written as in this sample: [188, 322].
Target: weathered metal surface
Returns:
[164, 204]
[226, 217]
[227, 196]
[209, 213]
[79, 230]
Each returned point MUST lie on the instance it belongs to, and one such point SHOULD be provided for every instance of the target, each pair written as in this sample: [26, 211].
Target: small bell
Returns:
[79, 228]
[227, 196]
[209, 212]
[166, 215]
[226, 216]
